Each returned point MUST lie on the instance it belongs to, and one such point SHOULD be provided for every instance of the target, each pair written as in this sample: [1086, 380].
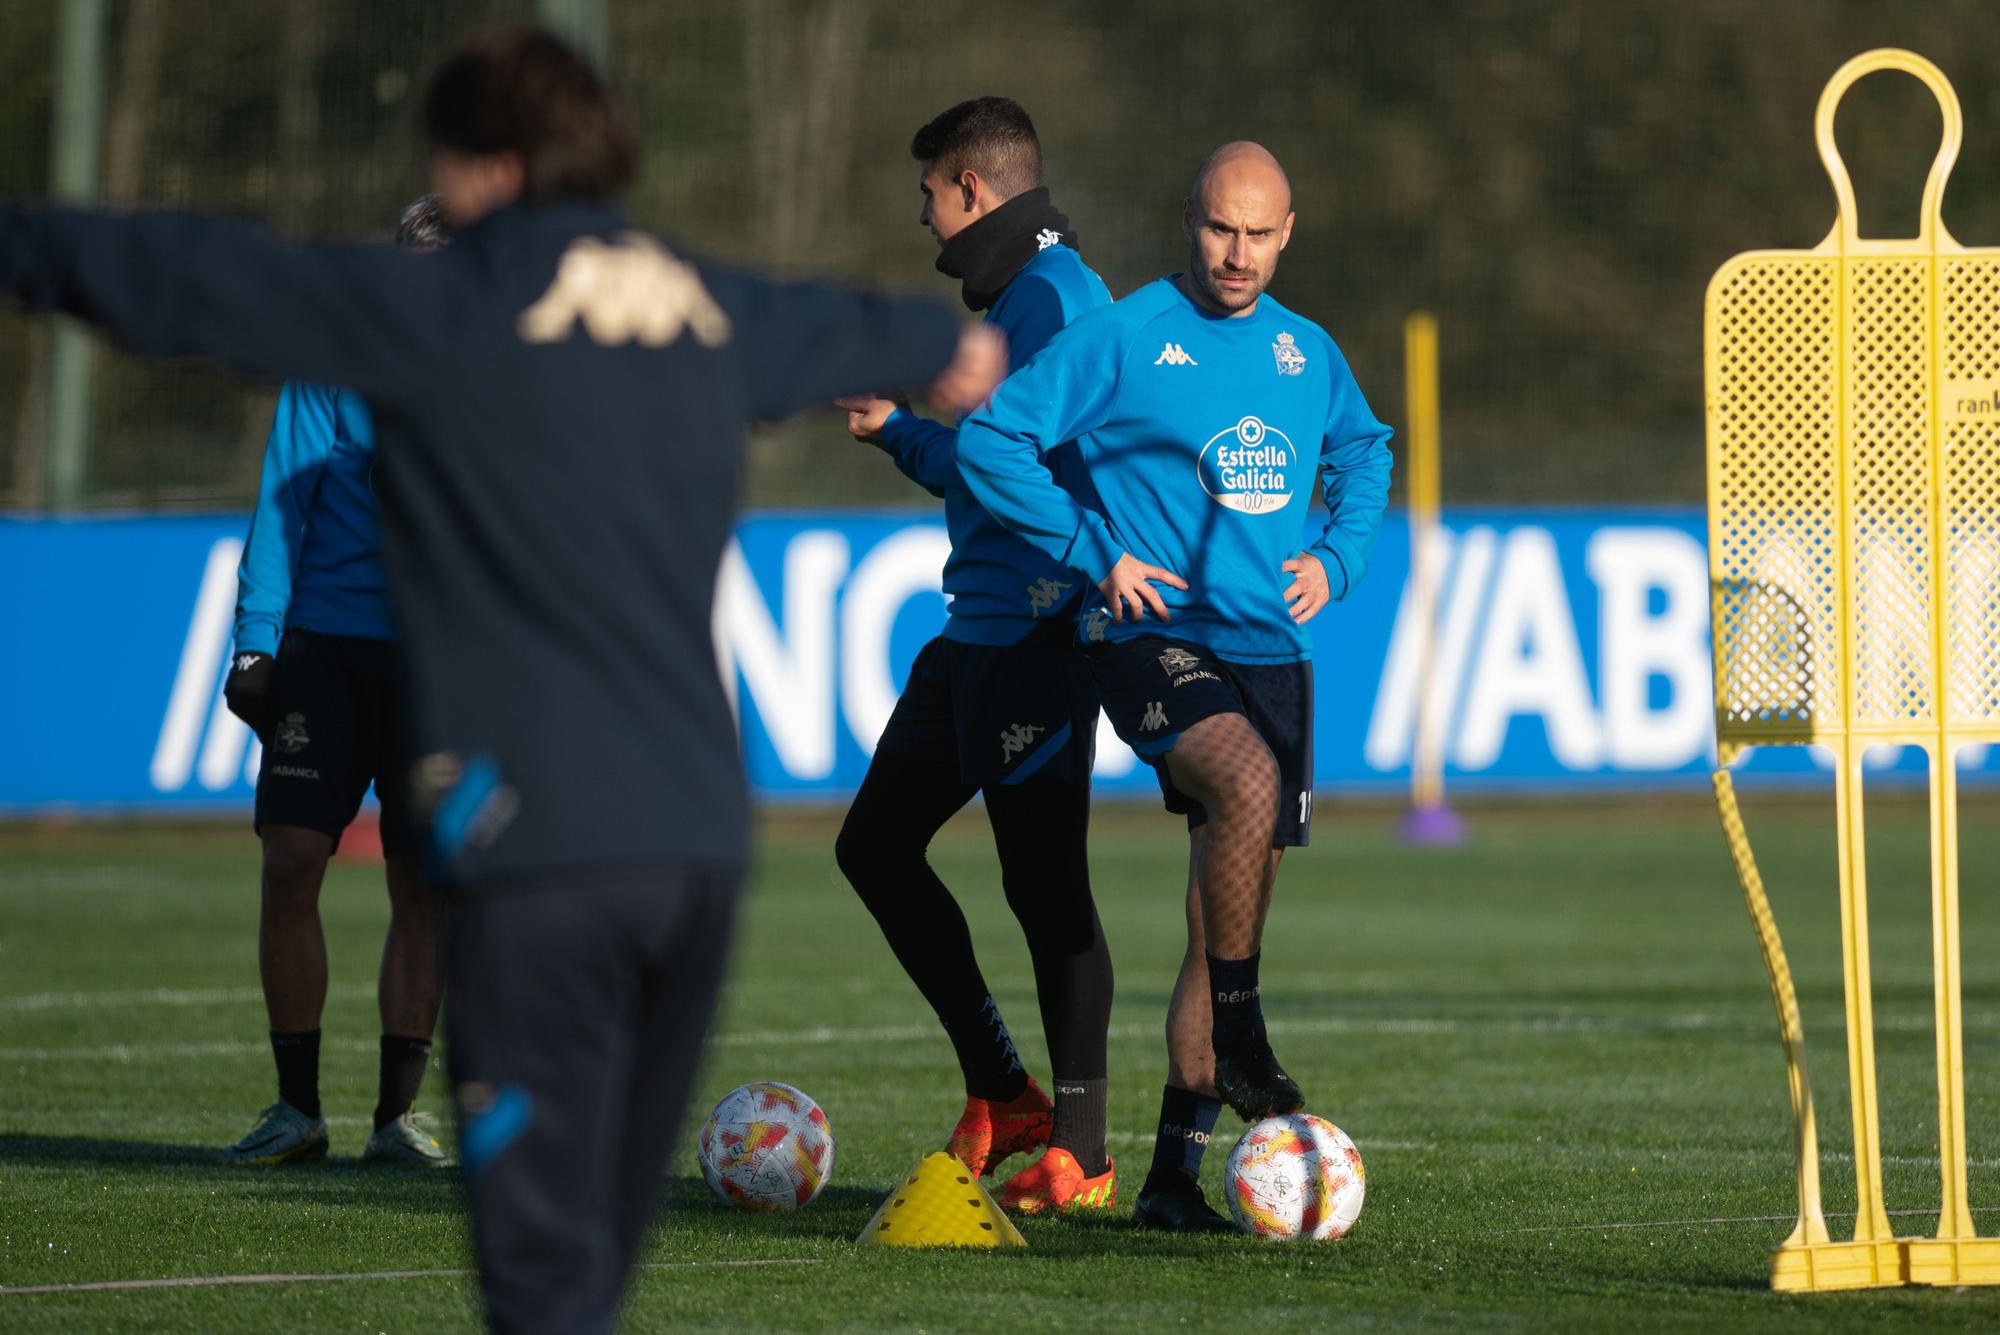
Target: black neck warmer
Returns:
[986, 255]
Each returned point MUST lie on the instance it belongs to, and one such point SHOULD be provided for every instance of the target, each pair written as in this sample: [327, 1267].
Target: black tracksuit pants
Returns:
[579, 1004]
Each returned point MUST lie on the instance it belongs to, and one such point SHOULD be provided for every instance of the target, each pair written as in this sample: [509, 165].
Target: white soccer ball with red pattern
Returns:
[1296, 1176]
[766, 1146]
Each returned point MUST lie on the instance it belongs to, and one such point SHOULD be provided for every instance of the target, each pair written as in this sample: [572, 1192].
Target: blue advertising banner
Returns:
[1571, 650]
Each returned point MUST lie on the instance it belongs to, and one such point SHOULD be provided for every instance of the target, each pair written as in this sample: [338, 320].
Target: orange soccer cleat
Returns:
[1056, 1182]
[989, 1132]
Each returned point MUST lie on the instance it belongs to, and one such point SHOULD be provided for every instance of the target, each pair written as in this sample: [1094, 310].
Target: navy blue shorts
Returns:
[1154, 689]
[1006, 712]
[337, 725]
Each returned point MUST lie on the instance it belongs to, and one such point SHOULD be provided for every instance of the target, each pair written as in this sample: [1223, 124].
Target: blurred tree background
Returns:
[1556, 179]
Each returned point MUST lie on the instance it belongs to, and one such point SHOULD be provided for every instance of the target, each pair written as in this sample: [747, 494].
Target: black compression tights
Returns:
[1040, 829]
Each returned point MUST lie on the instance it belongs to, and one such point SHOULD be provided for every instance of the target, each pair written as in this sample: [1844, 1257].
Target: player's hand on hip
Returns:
[247, 690]
[980, 365]
[1309, 591]
[1130, 585]
[866, 415]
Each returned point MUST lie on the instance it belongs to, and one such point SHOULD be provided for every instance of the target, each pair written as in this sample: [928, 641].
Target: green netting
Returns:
[1556, 180]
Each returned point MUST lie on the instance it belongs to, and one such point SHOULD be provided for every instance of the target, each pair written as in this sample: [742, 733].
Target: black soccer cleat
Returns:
[1249, 1079]
[1174, 1204]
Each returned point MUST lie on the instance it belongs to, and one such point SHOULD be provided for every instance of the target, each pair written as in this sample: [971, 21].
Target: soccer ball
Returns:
[766, 1147]
[1296, 1176]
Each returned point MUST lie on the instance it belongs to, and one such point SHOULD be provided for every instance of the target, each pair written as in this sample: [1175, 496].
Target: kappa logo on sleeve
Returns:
[629, 291]
[1047, 237]
[1174, 355]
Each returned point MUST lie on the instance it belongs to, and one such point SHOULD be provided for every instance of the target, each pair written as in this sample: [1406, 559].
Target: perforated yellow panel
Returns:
[1774, 497]
[1854, 480]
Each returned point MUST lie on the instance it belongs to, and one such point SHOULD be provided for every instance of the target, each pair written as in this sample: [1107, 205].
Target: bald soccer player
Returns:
[1203, 410]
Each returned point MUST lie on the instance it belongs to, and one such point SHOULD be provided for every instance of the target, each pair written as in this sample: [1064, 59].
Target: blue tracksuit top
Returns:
[1201, 434]
[314, 555]
[998, 584]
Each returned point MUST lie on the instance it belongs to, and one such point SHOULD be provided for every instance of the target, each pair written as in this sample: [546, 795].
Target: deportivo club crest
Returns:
[1177, 661]
[291, 737]
[1290, 360]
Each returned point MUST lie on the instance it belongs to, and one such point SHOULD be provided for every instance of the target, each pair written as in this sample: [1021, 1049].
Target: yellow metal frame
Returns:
[1420, 363]
[1853, 406]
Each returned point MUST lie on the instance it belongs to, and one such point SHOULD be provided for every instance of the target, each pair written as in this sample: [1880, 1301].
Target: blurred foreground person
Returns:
[559, 401]
[314, 675]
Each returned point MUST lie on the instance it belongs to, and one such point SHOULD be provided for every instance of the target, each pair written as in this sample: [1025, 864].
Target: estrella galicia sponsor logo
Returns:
[1015, 740]
[1246, 467]
[1290, 360]
[290, 736]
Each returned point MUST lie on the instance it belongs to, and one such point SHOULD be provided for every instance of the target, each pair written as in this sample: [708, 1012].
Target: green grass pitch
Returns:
[1554, 1046]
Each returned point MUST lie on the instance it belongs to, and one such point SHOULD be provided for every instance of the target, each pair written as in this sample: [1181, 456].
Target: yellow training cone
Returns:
[939, 1203]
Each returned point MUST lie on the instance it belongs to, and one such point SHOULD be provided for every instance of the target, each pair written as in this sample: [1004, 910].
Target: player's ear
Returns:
[1285, 233]
[968, 185]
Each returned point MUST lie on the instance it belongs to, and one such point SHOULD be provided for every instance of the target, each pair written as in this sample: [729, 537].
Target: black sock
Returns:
[298, 1069]
[1186, 1119]
[403, 1062]
[1042, 830]
[986, 1053]
[1239, 1013]
[1079, 1124]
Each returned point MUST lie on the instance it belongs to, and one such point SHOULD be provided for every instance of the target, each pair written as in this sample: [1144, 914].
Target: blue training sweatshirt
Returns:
[1202, 434]
[999, 585]
[314, 555]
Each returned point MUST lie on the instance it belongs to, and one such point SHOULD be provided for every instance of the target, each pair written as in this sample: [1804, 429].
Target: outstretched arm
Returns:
[804, 343]
[172, 284]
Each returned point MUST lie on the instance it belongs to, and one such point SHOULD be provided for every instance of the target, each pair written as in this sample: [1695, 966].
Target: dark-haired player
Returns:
[559, 400]
[1000, 703]
[315, 677]
[1204, 411]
